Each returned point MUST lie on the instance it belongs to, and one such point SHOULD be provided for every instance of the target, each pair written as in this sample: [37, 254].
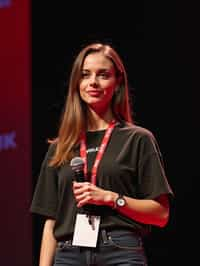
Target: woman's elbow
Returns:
[164, 221]
[163, 218]
[164, 212]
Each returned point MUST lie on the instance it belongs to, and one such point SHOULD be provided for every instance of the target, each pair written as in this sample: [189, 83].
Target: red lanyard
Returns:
[100, 153]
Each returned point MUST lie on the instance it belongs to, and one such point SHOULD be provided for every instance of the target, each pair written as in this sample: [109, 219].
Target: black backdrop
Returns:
[159, 45]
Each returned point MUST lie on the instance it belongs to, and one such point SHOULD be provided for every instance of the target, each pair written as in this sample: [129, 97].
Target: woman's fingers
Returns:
[87, 193]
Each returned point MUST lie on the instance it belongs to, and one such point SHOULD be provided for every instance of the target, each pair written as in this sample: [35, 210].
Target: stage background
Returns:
[160, 47]
[15, 133]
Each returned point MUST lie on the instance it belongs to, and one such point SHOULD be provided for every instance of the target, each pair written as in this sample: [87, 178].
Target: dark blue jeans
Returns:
[114, 248]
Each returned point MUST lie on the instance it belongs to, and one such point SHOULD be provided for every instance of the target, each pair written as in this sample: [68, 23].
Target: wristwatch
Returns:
[120, 201]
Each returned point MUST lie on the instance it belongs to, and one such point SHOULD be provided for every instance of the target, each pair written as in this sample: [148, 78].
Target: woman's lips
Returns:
[94, 93]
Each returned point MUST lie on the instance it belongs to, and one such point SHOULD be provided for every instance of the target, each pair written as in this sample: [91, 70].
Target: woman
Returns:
[125, 189]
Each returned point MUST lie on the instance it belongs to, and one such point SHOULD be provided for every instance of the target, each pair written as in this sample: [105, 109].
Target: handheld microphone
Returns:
[77, 165]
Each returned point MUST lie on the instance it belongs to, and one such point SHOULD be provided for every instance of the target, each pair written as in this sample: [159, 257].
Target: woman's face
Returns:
[98, 81]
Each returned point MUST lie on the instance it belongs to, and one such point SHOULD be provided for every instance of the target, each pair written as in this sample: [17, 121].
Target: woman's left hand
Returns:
[87, 193]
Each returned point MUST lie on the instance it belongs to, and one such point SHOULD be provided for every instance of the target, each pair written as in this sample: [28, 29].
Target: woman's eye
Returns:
[85, 75]
[104, 75]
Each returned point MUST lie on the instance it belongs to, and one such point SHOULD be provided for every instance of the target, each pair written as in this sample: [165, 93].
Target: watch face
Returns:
[120, 202]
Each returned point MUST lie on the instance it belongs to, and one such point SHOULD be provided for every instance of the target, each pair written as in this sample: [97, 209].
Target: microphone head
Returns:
[77, 164]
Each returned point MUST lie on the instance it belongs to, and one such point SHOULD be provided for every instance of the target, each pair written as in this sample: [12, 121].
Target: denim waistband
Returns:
[104, 235]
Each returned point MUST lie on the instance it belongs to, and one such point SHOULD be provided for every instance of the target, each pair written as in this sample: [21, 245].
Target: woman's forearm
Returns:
[48, 244]
[155, 212]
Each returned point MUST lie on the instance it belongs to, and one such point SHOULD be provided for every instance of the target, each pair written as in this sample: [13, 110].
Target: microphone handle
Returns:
[79, 176]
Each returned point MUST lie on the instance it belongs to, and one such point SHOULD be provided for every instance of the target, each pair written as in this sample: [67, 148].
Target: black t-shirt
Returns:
[131, 165]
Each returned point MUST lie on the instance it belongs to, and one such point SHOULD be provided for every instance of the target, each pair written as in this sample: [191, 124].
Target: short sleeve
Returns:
[45, 197]
[152, 177]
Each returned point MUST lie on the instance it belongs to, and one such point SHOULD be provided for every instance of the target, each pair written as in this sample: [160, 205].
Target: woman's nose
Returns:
[93, 79]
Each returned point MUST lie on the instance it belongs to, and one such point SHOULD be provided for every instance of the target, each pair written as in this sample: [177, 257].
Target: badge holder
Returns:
[86, 230]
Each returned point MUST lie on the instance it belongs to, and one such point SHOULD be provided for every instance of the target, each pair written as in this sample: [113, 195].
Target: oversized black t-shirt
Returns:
[132, 165]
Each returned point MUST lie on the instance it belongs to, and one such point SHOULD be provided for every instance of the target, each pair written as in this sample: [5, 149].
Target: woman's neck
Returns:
[98, 121]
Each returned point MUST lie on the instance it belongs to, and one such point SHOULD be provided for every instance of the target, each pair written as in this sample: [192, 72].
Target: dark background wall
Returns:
[159, 45]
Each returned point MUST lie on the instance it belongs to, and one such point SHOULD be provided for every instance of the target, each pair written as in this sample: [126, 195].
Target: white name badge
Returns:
[86, 230]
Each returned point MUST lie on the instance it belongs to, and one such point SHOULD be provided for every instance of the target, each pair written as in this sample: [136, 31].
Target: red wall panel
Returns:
[15, 133]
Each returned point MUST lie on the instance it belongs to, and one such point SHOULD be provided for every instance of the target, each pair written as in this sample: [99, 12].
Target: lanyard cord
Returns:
[100, 153]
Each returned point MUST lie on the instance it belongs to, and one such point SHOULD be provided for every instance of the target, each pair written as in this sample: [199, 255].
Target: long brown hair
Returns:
[74, 118]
